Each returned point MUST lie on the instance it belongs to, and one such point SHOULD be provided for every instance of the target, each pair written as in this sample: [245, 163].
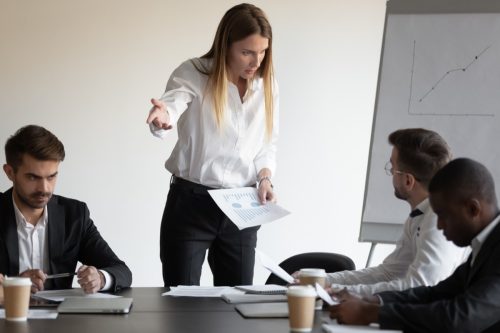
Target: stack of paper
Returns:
[36, 314]
[253, 298]
[331, 326]
[201, 291]
[60, 295]
[266, 289]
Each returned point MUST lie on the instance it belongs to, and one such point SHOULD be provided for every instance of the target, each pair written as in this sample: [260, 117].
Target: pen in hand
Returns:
[60, 275]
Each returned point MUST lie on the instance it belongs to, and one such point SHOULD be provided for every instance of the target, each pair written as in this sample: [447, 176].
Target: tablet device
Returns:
[36, 302]
[95, 305]
[263, 310]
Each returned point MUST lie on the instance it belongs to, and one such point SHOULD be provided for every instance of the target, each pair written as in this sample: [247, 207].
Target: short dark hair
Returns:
[464, 178]
[421, 152]
[35, 141]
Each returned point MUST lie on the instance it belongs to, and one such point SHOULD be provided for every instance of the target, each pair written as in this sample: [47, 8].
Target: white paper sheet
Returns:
[324, 295]
[61, 294]
[331, 326]
[201, 291]
[243, 208]
[36, 314]
[273, 266]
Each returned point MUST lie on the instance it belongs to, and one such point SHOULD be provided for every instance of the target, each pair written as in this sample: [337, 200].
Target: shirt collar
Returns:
[480, 238]
[21, 220]
[423, 206]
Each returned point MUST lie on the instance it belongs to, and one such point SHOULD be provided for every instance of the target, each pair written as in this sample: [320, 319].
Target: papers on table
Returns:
[201, 291]
[36, 314]
[253, 298]
[273, 266]
[60, 295]
[331, 326]
[266, 289]
[243, 208]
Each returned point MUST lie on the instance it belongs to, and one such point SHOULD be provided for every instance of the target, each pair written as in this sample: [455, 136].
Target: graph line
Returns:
[461, 69]
[438, 82]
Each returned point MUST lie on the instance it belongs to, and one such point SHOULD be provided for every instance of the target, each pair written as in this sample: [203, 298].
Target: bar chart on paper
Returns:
[243, 208]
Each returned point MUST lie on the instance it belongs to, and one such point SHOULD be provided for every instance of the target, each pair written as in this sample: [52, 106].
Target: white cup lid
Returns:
[16, 281]
[316, 272]
[301, 291]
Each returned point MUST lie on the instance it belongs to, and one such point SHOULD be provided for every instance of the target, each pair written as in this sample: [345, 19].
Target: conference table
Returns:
[152, 312]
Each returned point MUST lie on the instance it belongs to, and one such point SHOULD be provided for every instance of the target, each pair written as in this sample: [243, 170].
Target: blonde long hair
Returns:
[238, 23]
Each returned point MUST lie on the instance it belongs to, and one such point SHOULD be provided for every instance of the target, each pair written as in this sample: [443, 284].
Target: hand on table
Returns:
[90, 279]
[353, 310]
[37, 278]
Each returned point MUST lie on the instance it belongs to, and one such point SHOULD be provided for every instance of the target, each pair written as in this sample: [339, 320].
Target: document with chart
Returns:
[243, 208]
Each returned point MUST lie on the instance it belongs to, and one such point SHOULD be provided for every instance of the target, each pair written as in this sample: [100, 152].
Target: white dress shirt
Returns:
[32, 242]
[422, 257]
[33, 245]
[227, 157]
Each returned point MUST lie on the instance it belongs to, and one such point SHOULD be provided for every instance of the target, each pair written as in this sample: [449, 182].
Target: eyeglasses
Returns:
[390, 171]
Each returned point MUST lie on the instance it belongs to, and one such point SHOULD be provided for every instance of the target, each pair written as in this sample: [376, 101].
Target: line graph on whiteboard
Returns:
[458, 81]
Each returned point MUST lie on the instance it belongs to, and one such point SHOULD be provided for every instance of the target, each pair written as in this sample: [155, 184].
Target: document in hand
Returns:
[243, 207]
[273, 267]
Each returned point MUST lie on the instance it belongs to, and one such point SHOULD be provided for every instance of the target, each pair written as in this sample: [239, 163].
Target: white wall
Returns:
[86, 70]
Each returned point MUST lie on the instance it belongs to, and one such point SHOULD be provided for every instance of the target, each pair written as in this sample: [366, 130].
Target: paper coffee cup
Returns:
[16, 298]
[311, 276]
[301, 308]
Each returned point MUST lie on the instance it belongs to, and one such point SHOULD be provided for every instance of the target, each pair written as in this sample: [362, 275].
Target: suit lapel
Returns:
[56, 231]
[9, 232]
[489, 246]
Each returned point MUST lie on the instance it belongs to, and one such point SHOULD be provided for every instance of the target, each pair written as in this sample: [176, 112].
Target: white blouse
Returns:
[227, 157]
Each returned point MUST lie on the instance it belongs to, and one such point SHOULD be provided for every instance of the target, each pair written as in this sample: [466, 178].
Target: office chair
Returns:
[330, 262]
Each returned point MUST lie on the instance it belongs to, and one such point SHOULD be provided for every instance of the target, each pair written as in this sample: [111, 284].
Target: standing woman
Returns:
[225, 106]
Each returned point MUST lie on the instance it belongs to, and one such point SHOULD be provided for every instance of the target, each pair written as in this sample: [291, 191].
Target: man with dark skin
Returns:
[463, 196]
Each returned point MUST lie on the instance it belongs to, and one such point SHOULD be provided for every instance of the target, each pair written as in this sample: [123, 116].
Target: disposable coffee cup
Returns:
[16, 298]
[301, 308]
[311, 276]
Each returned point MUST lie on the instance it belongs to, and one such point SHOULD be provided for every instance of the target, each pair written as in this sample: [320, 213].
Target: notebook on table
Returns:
[95, 305]
[266, 289]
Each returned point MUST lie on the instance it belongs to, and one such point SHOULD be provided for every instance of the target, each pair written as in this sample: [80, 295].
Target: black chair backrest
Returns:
[330, 262]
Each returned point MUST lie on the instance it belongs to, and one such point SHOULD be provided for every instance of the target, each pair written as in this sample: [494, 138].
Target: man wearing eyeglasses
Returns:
[422, 256]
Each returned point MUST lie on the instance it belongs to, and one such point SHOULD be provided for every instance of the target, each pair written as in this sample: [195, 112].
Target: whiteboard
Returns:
[440, 70]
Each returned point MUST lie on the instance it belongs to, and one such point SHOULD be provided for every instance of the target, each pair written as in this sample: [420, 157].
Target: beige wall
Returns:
[86, 71]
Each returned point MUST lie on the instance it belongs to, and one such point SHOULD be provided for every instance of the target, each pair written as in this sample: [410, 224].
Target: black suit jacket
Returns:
[72, 237]
[467, 301]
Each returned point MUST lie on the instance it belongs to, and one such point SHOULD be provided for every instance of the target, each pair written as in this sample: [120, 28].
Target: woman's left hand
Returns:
[265, 192]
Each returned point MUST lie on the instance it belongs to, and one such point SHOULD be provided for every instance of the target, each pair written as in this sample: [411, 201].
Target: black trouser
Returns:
[191, 224]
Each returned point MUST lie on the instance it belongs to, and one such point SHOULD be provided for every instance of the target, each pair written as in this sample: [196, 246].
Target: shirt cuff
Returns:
[108, 280]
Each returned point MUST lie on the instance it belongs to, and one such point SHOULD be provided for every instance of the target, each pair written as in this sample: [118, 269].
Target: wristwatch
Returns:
[264, 179]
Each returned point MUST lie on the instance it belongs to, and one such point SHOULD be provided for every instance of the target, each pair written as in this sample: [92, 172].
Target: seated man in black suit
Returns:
[42, 233]
[463, 196]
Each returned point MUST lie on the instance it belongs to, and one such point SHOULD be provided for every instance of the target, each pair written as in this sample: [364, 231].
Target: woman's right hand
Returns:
[158, 115]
